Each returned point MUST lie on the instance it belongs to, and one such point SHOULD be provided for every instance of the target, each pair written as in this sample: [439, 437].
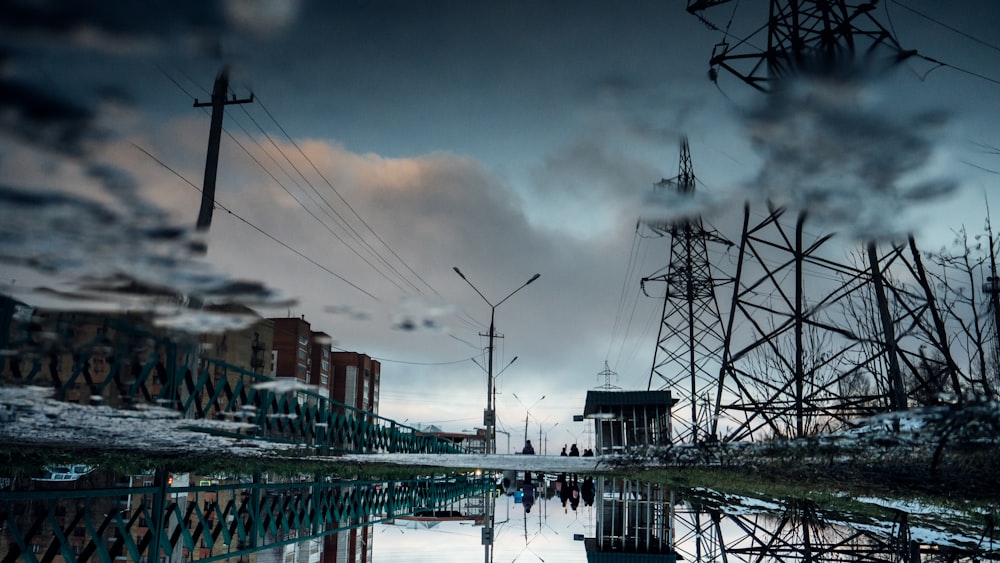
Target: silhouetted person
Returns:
[588, 490]
[574, 493]
[564, 492]
[574, 451]
[528, 448]
[563, 453]
[527, 492]
[588, 453]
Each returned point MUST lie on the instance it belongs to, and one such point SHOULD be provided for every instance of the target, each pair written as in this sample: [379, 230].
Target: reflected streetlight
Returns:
[490, 412]
[527, 412]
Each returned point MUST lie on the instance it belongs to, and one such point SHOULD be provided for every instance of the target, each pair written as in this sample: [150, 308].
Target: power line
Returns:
[345, 202]
[256, 228]
[953, 67]
[344, 223]
[946, 26]
[463, 360]
[303, 206]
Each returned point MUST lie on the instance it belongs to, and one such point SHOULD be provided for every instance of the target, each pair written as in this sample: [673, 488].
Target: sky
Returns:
[505, 139]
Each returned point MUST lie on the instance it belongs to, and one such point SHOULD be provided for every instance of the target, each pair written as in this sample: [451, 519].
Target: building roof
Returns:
[595, 555]
[609, 401]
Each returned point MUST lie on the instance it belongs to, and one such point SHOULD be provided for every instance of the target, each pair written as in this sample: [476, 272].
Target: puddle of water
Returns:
[457, 517]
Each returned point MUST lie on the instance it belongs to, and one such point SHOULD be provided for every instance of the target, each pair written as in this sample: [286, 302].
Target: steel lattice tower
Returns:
[790, 364]
[690, 340]
[806, 36]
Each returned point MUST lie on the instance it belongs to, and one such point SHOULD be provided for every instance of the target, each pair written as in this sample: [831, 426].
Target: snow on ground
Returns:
[31, 417]
[542, 463]
[910, 506]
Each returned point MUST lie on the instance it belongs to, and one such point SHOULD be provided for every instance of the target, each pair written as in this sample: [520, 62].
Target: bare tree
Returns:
[959, 271]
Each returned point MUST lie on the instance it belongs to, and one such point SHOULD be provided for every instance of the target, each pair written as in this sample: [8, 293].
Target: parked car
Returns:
[58, 473]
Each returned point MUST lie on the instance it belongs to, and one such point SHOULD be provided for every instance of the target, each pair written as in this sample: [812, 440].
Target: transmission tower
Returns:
[794, 361]
[805, 36]
[689, 344]
[605, 377]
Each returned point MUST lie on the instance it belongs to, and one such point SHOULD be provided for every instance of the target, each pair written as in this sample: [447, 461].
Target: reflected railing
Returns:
[155, 520]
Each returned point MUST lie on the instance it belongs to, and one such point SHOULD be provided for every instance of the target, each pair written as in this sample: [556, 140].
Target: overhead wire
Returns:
[945, 25]
[627, 281]
[325, 205]
[255, 227]
[301, 204]
[342, 199]
[465, 321]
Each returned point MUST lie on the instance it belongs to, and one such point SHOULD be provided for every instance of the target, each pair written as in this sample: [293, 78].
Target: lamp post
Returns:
[545, 445]
[490, 412]
[527, 412]
[508, 437]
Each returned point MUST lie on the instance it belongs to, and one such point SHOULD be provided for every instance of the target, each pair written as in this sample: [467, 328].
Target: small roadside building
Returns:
[625, 420]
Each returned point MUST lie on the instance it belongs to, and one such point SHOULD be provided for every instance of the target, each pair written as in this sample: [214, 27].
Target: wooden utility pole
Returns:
[218, 105]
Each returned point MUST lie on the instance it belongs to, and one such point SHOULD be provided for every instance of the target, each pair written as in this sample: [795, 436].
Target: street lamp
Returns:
[545, 445]
[490, 413]
[527, 411]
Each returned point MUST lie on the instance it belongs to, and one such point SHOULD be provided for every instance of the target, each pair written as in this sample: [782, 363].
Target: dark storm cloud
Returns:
[64, 20]
[34, 116]
[832, 147]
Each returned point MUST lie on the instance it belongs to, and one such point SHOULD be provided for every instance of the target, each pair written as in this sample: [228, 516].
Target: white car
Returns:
[57, 473]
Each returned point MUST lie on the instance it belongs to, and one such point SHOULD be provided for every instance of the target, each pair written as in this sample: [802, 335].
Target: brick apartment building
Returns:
[356, 380]
[292, 348]
[299, 351]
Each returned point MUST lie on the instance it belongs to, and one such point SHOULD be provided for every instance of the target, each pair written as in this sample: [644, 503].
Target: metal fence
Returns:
[211, 522]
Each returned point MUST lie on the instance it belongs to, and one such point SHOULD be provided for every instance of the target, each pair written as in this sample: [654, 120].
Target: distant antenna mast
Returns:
[606, 376]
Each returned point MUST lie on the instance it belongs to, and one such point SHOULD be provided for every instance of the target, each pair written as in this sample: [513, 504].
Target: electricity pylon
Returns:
[805, 351]
[689, 344]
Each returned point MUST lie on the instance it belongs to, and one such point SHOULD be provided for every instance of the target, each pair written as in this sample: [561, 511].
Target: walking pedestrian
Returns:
[528, 448]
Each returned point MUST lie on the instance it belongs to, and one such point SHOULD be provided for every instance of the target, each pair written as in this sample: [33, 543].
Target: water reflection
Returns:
[107, 516]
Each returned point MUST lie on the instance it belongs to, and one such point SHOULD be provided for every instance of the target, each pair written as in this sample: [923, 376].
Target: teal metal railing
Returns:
[208, 523]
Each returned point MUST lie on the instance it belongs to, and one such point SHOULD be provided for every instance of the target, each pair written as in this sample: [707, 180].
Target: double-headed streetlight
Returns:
[527, 412]
[490, 414]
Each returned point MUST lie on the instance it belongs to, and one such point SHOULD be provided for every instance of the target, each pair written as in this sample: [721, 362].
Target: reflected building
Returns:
[634, 523]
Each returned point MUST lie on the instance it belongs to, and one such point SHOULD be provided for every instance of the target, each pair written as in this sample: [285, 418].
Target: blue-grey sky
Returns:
[504, 138]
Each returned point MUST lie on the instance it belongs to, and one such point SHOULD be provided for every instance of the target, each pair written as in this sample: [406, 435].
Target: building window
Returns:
[303, 341]
[300, 370]
[302, 354]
